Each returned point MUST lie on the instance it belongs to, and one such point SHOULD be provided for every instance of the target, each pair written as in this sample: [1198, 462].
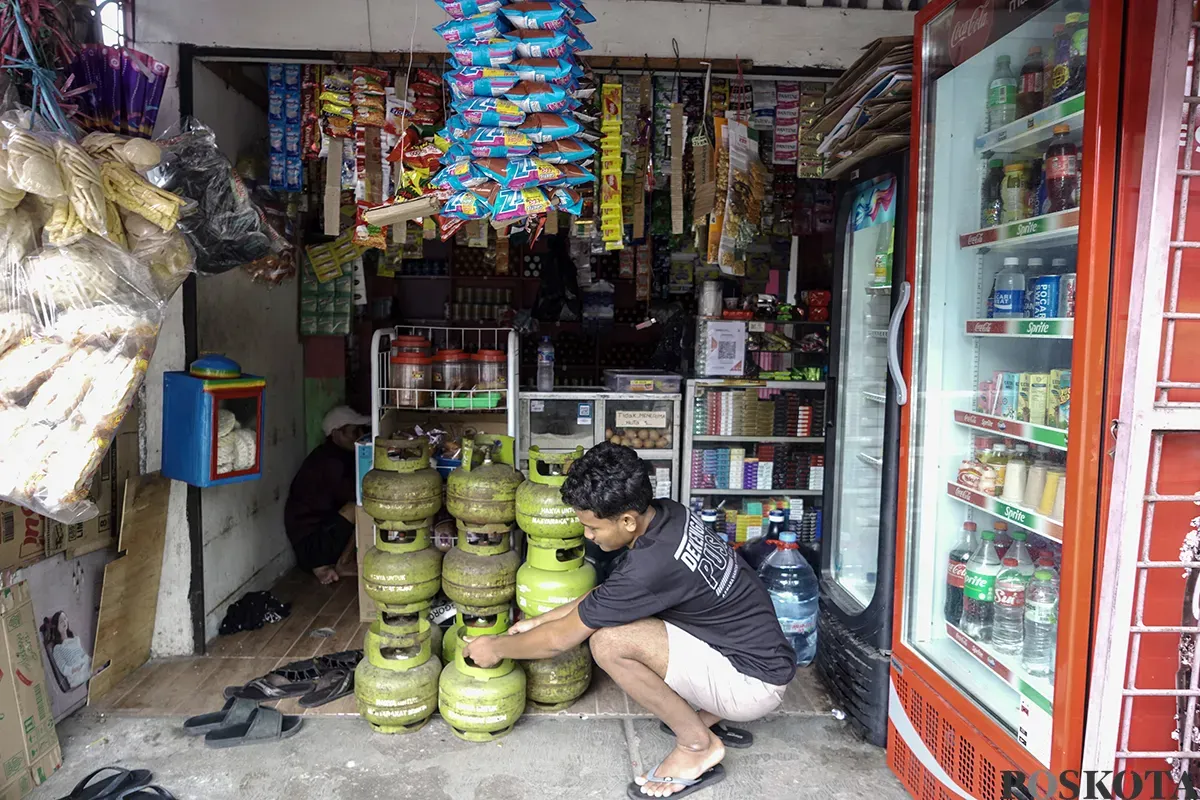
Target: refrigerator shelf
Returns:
[1007, 667]
[1033, 130]
[879, 291]
[758, 492]
[1044, 435]
[1061, 226]
[1009, 512]
[1029, 328]
[877, 333]
[875, 397]
[874, 461]
[765, 439]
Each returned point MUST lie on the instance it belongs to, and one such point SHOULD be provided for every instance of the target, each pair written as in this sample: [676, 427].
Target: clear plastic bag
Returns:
[87, 317]
[225, 227]
[166, 253]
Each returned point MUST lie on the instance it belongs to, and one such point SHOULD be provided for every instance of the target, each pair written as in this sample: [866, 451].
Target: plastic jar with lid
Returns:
[411, 373]
[491, 370]
[411, 344]
[453, 370]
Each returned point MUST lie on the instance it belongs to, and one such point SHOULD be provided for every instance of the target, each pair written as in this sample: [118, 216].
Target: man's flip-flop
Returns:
[714, 775]
[346, 659]
[237, 710]
[329, 687]
[265, 725]
[145, 793]
[107, 787]
[270, 687]
[736, 738]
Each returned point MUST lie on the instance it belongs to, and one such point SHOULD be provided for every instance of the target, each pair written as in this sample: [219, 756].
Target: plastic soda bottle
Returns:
[956, 572]
[1009, 300]
[545, 365]
[1062, 171]
[794, 592]
[993, 194]
[979, 589]
[1019, 551]
[1002, 95]
[1041, 623]
[1008, 625]
[1030, 92]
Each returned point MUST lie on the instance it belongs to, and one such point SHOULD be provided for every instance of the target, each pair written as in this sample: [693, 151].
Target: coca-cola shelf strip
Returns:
[1029, 328]
[1006, 667]
[1009, 512]
[1044, 435]
[1061, 226]
[1033, 130]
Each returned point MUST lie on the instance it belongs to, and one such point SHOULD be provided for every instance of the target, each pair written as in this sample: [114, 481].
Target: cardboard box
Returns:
[22, 536]
[29, 751]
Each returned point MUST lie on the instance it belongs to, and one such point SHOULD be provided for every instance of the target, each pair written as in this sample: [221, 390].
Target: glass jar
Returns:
[411, 344]
[411, 373]
[453, 370]
[491, 371]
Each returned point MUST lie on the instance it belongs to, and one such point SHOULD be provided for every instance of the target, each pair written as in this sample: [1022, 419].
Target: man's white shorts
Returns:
[706, 679]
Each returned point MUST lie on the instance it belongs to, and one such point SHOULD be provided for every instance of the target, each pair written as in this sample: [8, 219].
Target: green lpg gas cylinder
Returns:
[396, 684]
[402, 486]
[471, 626]
[554, 573]
[484, 490]
[480, 704]
[402, 568]
[480, 573]
[556, 683]
[406, 628]
[541, 511]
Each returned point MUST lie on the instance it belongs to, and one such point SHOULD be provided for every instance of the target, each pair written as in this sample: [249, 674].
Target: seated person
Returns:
[683, 625]
[319, 514]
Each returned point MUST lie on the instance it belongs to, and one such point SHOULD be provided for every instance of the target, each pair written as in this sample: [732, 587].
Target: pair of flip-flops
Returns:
[316, 681]
[735, 738]
[242, 722]
[118, 783]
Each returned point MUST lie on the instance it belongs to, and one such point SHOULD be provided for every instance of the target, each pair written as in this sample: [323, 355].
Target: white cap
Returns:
[341, 416]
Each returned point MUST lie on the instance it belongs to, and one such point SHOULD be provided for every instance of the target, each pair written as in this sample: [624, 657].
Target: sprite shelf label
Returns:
[1038, 434]
[980, 586]
[1034, 226]
[1060, 328]
[1044, 119]
[1006, 511]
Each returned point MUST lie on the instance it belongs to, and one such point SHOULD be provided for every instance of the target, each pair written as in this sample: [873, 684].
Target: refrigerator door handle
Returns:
[894, 343]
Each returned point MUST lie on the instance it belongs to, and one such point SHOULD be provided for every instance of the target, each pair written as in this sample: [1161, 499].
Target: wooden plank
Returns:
[129, 596]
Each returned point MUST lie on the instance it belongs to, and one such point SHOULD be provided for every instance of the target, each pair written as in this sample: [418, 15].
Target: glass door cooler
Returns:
[861, 435]
[996, 523]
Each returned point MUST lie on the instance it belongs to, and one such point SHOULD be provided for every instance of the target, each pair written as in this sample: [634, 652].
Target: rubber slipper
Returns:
[306, 670]
[347, 660]
[330, 686]
[736, 738]
[270, 687]
[236, 710]
[713, 776]
[264, 725]
[108, 787]
[145, 793]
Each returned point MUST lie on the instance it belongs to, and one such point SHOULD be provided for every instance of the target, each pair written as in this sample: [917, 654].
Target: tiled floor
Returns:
[185, 686]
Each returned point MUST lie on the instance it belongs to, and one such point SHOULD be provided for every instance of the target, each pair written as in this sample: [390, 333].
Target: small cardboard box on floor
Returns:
[29, 751]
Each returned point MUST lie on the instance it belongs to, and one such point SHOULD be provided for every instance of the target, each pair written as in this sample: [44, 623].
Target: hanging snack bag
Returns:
[484, 52]
[462, 174]
[514, 204]
[539, 44]
[578, 14]
[535, 15]
[480, 81]
[574, 175]
[568, 200]
[458, 129]
[519, 173]
[558, 71]
[469, 203]
[461, 9]
[532, 97]
[541, 128]
[490, 112]
[499, 143]
[575, 38]
[565, 151]
[479, 26]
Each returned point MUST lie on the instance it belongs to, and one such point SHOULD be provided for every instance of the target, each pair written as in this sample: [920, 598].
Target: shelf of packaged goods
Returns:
[1007, 667]
[1029, 328]
[873, 461]
[455, 402]
[1033, 130]
[1059, 227]
[1044, 435]
[875, 397]
[1013, 514]
[758, 492]
[745, 383]
[763, 439]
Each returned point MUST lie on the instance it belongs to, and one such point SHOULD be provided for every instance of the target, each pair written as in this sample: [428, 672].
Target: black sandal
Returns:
[265, 725]
[236, 710]
[329, 687]
[121, 780]
[735, 738]
[145, 793]
[270, 687]
[345, 660]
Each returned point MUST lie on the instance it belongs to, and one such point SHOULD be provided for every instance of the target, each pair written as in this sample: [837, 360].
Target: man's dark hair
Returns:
[609, 480]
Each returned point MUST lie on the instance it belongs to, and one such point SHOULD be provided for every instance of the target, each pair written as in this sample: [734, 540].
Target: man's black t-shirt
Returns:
[682, 573]
[324, 483]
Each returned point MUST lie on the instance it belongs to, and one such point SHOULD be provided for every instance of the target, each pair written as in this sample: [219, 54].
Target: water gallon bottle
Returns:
[755, 552]
[1041, 623]
[1008, 623]
[545, 365]
[793, 588]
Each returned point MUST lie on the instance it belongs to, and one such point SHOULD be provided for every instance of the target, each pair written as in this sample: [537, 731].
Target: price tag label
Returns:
[641, 419]
[537, 406]
[757, 327]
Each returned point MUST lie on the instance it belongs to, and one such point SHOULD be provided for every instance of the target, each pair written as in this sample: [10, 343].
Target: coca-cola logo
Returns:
[956, 575]
[970, 29]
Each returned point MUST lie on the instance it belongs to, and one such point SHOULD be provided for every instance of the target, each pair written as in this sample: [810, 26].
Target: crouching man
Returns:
[682, 624]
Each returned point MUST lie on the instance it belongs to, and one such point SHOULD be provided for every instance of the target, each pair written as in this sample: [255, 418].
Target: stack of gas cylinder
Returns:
[480, 575]
[554, 573]
[396, 683]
